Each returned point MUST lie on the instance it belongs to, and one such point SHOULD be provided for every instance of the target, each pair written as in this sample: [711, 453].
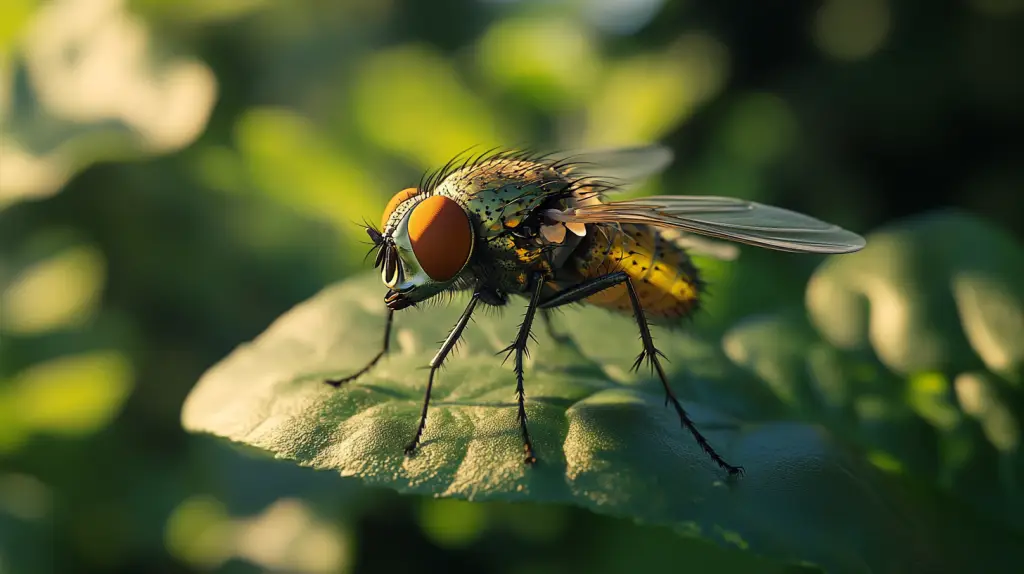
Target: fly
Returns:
[548, 228]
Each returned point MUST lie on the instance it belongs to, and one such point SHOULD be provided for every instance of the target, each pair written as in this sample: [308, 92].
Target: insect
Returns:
[547, 228]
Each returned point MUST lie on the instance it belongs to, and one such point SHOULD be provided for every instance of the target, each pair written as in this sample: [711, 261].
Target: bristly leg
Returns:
[519, 348]
[384, 350]
[436, 363]
[649, 352]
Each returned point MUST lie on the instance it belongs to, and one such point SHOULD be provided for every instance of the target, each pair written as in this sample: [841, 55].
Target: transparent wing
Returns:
[724, 218]
[701, 245]
[623, 168]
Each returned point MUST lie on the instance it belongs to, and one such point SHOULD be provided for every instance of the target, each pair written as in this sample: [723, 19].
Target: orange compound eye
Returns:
[395, 202]
[441, 237]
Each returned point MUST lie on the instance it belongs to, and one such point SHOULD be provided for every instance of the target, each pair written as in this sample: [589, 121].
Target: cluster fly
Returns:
[548, 228]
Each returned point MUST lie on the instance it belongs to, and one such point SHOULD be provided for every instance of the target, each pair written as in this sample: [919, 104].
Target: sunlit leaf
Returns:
[286, 537]
[60, 291]
[86, 82]
[645, 97]
[289, 159]
[411, 100]
[936, 292]
[72, 395]
[546, 60]
[786, 409]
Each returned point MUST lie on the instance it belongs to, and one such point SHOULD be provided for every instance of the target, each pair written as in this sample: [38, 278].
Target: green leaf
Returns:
[933, 310]
[772, 396]
[937, 292]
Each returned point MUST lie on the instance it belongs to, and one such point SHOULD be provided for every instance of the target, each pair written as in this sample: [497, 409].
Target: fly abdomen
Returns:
[664, 276]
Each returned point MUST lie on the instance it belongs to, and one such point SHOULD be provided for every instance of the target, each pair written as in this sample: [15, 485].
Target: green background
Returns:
[176, 175]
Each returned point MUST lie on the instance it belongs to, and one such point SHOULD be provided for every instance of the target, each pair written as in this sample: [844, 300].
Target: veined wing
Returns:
[724, 218]
[621, 168]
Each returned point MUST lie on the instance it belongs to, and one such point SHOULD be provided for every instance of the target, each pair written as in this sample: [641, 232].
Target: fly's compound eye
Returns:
[395, 202]
[441, 236]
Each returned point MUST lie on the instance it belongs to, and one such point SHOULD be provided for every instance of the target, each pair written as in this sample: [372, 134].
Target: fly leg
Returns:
[519, 348]
[649, 352]
[435, 364]
[383, 351]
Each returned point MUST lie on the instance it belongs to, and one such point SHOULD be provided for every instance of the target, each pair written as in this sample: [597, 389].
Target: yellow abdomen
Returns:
[665, 278]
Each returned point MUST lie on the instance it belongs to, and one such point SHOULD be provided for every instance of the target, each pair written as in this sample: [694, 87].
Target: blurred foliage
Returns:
[176, 174]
